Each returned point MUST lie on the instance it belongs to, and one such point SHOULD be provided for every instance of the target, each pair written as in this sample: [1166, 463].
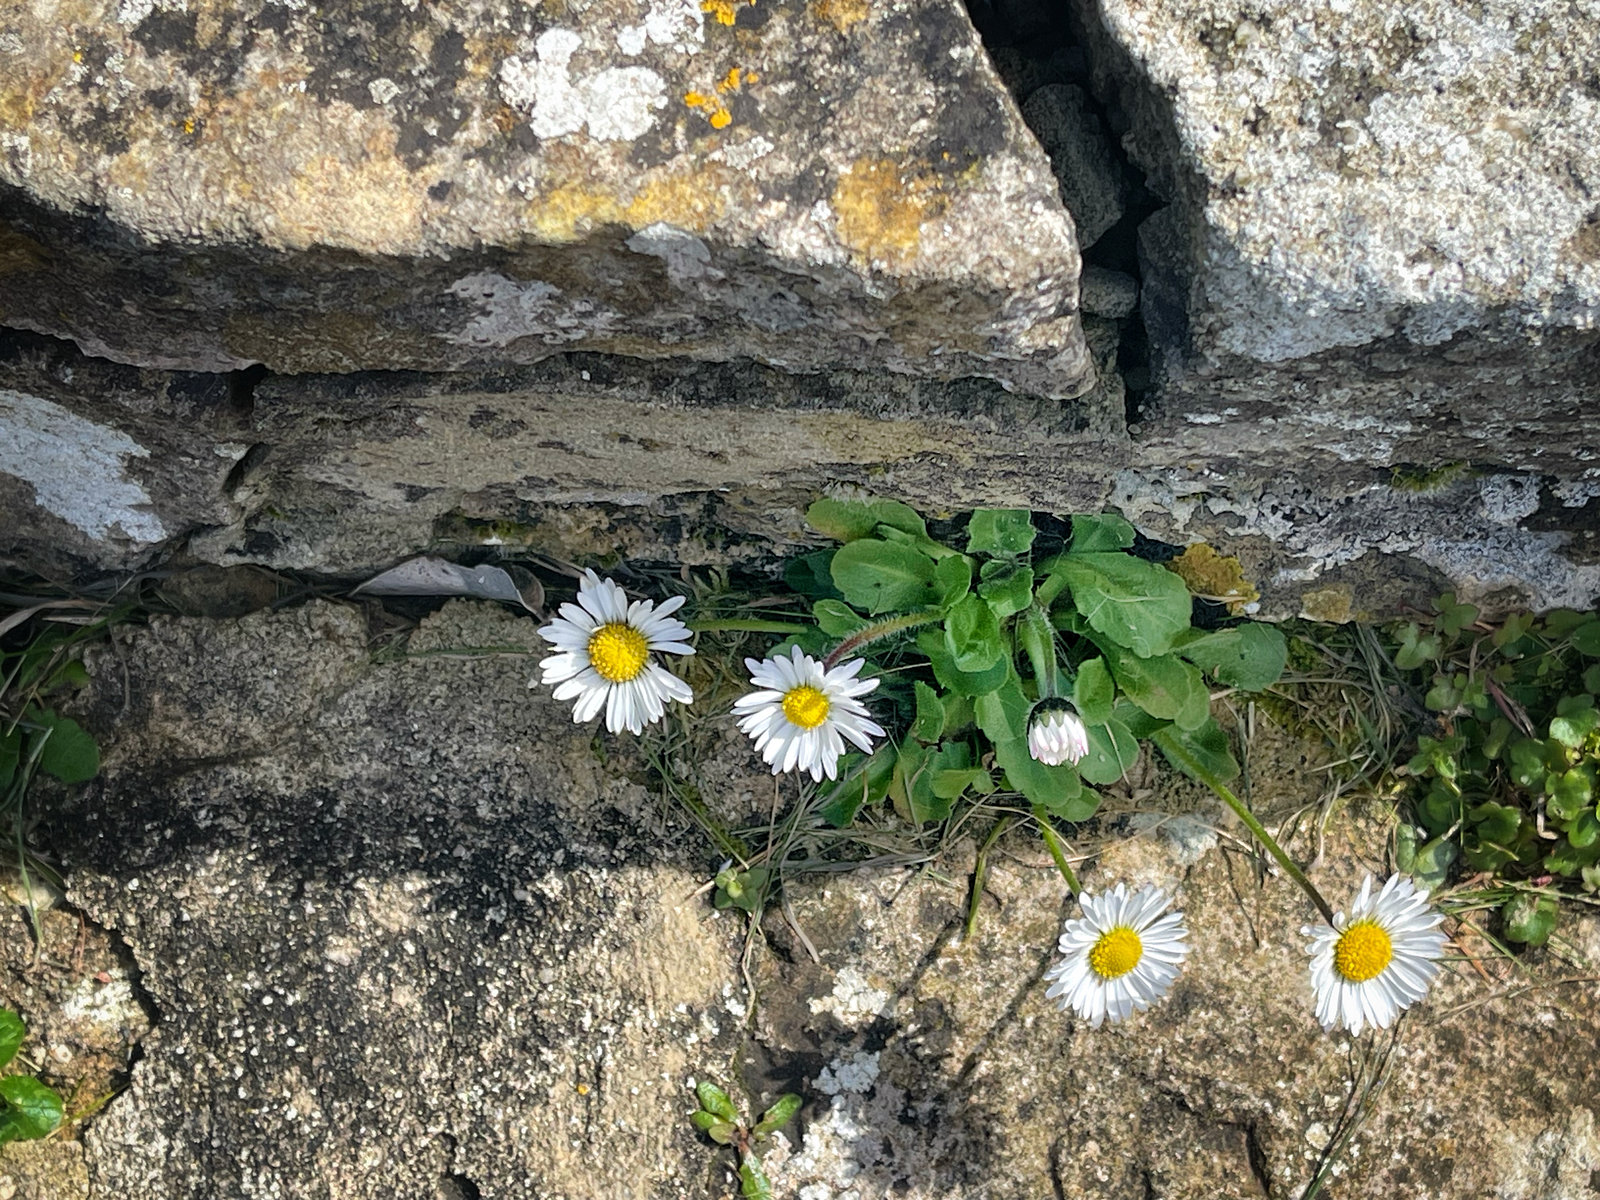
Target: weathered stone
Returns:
[945, 1071]
[1381, 229]
[805, 184]
[1108, 293]
[1089, 174]
[407, 933]
[581, 456]
[415, 934]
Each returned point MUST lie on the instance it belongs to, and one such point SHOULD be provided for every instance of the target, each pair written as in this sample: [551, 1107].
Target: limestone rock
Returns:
[1382, 225]
[1090, 177]
[808, 184]
[406, 936]
[1108, 293]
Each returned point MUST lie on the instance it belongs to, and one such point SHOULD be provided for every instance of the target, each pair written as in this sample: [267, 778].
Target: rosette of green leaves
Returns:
[718, 1119]
[967, 623]
[1509, 785]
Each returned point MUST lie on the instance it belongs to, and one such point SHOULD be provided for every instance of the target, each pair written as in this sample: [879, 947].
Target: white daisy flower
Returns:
[603, 648]
[1056, 733]
[1369, 966]
[1122, 955]
[801, 714]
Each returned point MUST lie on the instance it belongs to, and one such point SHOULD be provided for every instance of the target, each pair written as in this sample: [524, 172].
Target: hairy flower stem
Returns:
[876, 631]
[1190, 764]
[1053, 844]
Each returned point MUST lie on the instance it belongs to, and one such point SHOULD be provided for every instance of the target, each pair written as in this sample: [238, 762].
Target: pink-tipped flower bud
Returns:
[1056, 733]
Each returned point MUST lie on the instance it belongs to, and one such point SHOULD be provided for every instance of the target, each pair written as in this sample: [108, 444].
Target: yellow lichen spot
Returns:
[188, 124]
[842, 14]
[751, 77]
[77, 56]
[881, 206]
[721, 119]
[691, 200]
[714, 109]
[583, 1089]
[725, 11]
[698, 100]
[1214, 576]
[730, 82]
[1334, 603]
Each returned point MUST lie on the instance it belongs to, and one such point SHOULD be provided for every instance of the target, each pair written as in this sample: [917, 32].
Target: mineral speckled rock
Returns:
[803, 182]
[1384, 223]
[405, 932]
[1089, 174]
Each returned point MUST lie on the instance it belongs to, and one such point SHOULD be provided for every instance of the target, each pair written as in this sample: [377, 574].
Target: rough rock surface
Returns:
[1072, 136]
[1383, 223]
[409, 932]
[361, 186]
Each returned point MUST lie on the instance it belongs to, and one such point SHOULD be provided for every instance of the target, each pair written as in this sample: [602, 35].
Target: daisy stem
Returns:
[1053, 844]
[1259, 831]
[980, 870]
[745, 625]
[878, 629]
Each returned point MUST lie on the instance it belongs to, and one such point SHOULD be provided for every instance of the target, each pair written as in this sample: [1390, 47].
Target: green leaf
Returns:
[716, 1101]
[862, 780]
[1006, 588]
[1004, 532]
[1453, 617]
[32, 1110]
[1496, 823]
[780, 1114]
[1093, 691]
[1591, 679]
[929, 723]
[1093, 534]
[884, 577]
[958, 714]
[70, 754]
[912, 786]
[1166, 687]
[848, 520]
[952, 578]
[1131, 602]
[12, 1031]
[1585, 639]
[1585, 830]
[950, 783]
[1202, 753]
[1530, 919]
[1417, 648]
[1574, 728]
[836, 618]
[812, 575]
[1250, 657]
[1571, 793]
[1432, 864]
[1528, 763]
[753, 1182]
[972, 636]
[1112, 750]
[932, 643]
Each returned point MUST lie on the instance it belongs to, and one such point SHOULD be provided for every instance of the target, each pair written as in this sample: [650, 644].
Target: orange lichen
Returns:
[725, 11]
[721, 119]
[842, 14]
[881, 206]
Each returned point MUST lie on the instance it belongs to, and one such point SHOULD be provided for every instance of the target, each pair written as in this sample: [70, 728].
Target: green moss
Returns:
[1412, 478]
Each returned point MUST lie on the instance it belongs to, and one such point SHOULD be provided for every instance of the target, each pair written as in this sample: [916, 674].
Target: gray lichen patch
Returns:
[450, 184]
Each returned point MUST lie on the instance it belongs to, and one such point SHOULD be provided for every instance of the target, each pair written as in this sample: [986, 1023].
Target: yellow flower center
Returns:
[1363, 951]
[1116, 953]
[618, 652]
[805, 706]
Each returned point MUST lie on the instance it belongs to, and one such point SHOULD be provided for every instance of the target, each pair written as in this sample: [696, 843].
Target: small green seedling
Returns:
[718, 1119]
[28, 1109]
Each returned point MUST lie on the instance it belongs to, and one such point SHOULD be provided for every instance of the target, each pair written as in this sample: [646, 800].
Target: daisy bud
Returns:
[1056, 733]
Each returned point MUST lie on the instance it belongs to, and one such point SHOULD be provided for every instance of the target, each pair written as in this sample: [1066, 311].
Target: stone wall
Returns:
[643, 279]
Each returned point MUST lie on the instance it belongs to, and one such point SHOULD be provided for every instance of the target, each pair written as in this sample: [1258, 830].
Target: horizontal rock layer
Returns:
[361, 186]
